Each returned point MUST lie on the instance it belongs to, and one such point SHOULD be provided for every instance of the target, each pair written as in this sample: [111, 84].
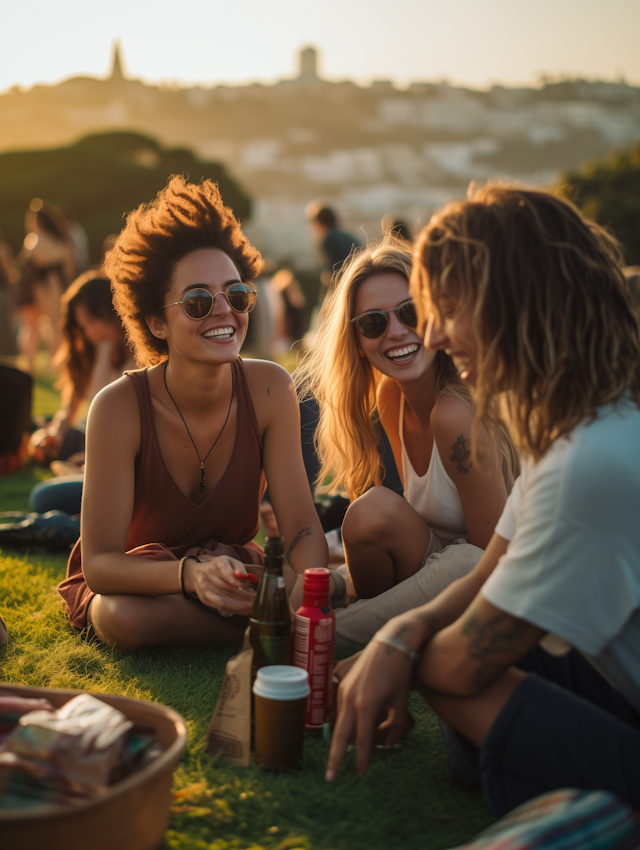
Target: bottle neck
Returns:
[273, 565]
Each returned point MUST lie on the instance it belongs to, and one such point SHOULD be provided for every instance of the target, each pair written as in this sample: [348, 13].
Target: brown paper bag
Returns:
[230, 728]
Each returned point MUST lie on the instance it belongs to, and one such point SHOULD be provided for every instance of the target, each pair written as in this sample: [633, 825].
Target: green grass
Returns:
[406, 800]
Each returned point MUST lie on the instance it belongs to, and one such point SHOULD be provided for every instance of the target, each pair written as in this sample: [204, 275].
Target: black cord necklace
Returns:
[202, 462]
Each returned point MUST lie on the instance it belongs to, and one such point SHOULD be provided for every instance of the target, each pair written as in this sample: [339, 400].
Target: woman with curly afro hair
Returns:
[177, 451]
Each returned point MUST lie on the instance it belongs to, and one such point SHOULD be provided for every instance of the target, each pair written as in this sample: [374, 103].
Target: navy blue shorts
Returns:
[564, 727]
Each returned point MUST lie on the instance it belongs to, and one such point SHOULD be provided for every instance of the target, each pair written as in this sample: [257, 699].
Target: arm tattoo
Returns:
[460, 454]
[306, 532]
[491, 640]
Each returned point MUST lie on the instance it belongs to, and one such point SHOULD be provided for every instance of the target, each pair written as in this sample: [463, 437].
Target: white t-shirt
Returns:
[573, 563]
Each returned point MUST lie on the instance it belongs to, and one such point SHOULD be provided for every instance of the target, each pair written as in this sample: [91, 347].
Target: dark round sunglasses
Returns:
[374, 323]
[198, 303]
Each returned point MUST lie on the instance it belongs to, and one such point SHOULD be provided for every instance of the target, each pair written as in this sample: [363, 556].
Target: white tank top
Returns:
[433, 495]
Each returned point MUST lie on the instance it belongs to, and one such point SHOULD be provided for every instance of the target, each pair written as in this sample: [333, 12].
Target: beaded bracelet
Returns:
[181, 574]
[413, 654]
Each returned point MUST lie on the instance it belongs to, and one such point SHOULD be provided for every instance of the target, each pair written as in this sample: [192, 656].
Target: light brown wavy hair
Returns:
[556, 335]
[182, 218]
[346, 384]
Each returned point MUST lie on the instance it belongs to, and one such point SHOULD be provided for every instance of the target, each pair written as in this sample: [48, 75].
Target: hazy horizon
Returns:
[471, 44]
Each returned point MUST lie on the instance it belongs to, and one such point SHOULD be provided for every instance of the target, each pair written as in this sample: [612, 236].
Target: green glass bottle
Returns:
[270, 621]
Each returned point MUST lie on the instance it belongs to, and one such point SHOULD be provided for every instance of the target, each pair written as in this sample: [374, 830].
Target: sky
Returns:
[196, 42]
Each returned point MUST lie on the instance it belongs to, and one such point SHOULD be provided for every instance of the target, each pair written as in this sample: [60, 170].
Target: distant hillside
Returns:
[367, 151]
[101, 178]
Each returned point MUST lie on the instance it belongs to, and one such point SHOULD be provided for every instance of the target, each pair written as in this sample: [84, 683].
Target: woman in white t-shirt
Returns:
[369, 360]
[532, 660]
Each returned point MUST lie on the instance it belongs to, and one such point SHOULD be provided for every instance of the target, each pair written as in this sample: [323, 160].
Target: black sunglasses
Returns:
[373, 323]
[198, 303]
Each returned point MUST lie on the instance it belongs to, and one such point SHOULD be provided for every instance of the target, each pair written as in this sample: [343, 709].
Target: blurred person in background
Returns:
[289, 308]
[334, 245]
[259, 338]
[93, 353]
[80, 241]
[398, 227]
[47, 261]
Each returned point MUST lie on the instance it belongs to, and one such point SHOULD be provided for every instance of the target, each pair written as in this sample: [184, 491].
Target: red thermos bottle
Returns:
[313, 638]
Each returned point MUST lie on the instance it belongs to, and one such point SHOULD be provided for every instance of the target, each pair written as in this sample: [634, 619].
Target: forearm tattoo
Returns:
[461, 454]
[490, 641]
[306, 532]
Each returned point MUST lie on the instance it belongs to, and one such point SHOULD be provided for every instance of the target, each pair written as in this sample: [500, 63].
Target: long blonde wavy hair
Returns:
[345, 384]
[556, 334]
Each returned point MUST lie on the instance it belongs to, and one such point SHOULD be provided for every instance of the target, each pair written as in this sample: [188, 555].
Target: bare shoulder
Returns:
[452, 426]
[271, 390]
[266, 377]
[451, 416]
[115, 408]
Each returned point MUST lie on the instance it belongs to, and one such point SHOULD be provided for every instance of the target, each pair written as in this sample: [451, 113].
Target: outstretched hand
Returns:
[374, 689]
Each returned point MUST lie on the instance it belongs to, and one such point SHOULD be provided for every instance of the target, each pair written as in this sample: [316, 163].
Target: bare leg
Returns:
[385, 541]
[474, 716]
[138, 622]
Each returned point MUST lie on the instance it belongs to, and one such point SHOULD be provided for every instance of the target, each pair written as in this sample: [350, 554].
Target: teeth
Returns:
[218, 332]
[402, 352]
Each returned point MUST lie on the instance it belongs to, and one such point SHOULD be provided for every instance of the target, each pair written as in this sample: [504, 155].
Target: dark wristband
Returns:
[181, 574]
[339, 595]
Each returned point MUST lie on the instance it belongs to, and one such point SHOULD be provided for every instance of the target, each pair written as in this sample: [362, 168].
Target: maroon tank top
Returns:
[163, 514]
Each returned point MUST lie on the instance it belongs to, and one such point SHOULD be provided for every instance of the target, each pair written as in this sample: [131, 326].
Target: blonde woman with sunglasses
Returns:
[177, 452]
[368, 364]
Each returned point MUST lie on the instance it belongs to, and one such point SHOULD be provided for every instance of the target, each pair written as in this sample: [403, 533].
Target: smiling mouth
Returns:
[400, 354]
[219, 333]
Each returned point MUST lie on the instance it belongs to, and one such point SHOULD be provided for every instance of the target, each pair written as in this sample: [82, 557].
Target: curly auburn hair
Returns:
[182, 218]
[556, 335]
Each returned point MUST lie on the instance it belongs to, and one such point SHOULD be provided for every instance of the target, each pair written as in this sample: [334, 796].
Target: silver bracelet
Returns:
[412, 654]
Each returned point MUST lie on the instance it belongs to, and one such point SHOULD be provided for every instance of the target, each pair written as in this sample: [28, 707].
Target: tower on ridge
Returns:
[117, 73]
[308, 64]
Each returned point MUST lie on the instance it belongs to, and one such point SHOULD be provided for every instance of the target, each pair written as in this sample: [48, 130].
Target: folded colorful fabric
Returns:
[567, 819]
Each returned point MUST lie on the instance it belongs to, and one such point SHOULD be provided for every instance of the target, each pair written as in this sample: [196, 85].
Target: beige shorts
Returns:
[442, 564]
